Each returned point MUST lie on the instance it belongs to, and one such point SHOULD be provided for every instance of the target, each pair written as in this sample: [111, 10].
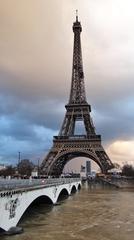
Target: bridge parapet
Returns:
[12, 184]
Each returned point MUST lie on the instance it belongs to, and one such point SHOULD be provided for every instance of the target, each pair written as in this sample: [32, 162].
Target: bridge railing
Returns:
[6, 184]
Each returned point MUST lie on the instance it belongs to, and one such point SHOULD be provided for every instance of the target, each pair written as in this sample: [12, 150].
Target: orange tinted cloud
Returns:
[122, 151]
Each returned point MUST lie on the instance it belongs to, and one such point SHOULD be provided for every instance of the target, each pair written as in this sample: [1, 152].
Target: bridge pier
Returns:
[14, 202]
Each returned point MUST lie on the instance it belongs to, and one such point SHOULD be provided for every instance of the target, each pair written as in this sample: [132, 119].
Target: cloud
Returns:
[32, 141]
[115, 120]
[122, 152]
[36, 48]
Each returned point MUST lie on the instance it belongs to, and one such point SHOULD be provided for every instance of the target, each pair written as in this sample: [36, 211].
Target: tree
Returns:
[25, 167]
[128, 170]
[8, 171]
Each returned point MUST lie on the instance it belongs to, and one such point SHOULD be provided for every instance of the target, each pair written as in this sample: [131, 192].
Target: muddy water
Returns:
[92, 213]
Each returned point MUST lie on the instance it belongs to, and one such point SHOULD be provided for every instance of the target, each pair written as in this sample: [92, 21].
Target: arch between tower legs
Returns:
[57, 163]
[60, 162]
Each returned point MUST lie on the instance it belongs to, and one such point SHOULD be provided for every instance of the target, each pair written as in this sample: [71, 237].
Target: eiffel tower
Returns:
[68, 144]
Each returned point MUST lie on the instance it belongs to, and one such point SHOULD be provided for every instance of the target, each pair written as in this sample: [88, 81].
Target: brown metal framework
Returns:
[68, 145]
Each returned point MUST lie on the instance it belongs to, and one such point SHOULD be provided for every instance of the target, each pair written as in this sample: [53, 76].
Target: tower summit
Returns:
[76, 15]
[77, 94]
[68, 144]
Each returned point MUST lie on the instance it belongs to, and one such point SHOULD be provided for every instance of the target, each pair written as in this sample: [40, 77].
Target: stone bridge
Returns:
[17, 195]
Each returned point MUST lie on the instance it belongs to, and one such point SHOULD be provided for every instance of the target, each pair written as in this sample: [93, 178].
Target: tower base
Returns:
[66, 148]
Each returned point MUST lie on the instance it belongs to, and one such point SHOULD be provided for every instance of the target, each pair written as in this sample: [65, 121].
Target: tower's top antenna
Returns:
[76, 15]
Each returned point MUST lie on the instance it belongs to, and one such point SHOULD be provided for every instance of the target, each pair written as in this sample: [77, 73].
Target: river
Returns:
[90, 214]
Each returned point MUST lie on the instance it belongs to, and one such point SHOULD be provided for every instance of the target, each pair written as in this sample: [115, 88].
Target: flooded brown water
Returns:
[96, 214]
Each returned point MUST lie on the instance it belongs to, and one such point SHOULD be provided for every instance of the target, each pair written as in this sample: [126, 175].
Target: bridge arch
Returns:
[41, 199]
[63, 194]
[73, 190]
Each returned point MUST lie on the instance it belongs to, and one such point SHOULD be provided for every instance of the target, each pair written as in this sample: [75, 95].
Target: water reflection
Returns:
[93, 213]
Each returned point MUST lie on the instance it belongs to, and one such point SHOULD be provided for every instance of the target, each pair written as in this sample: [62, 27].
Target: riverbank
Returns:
[122, 182]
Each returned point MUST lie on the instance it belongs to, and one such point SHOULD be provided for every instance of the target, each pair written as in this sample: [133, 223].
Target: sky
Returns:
[36, 47]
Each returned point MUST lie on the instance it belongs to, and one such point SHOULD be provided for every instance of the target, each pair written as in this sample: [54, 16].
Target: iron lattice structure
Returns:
[68, 144]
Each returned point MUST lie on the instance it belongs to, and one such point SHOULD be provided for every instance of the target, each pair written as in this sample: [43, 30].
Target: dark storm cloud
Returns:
[36, 113]
[114, 120]
[35, 69]
[116, 128]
